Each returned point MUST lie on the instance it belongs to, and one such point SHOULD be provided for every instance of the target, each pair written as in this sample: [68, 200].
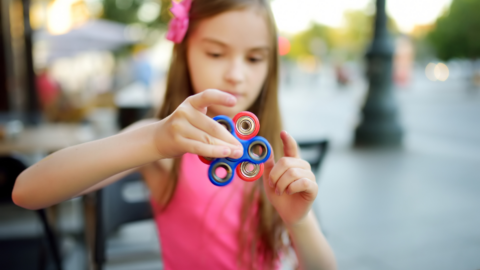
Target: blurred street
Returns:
[74, 71]
[414, 207]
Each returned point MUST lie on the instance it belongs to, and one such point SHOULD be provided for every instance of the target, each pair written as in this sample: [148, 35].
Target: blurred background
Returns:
[382, 96]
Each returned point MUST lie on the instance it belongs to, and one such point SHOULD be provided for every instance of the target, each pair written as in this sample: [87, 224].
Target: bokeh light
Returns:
[283, 45]
[148, 12]
[441, 72]
[59, 20]
[429, 72]
[437, 72]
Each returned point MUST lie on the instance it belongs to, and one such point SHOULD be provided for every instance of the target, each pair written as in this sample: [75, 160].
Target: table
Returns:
[44, 139]
[47, 138]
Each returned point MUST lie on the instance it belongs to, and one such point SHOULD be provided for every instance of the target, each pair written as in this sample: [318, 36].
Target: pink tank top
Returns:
[199, 228]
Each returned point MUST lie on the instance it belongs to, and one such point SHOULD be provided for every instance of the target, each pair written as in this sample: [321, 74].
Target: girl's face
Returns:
[230, 52]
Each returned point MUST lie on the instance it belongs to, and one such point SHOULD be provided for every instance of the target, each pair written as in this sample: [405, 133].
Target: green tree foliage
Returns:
[350, 41]
[126, 11]
[457, 32]
[358, 32]
[302, 43]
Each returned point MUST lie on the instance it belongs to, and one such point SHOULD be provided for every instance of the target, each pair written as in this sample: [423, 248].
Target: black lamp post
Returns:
[379, 125]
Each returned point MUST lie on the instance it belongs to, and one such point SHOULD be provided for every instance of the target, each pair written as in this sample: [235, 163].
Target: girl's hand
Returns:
[189, 129]
[290, 183]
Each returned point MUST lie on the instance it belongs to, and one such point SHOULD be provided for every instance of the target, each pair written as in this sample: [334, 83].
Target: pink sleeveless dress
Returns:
[199, 228]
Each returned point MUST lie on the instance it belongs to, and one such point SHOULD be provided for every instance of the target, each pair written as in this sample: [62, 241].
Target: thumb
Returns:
[290, 148]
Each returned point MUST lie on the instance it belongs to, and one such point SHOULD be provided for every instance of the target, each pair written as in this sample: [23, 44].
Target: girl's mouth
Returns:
[237, 95]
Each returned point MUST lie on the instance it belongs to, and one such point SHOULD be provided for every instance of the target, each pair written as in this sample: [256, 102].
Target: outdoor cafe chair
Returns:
[25, 248]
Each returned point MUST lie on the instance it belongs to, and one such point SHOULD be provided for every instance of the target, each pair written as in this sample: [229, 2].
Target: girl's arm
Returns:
[75, 170]
[311, 247]
[118, 176]
[291, 188]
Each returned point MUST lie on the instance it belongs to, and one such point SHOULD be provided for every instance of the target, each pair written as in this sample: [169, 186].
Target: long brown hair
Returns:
[259, 219]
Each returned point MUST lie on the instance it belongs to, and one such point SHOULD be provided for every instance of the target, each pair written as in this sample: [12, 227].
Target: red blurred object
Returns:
[48, 89]
[205, 160]
[283, 45]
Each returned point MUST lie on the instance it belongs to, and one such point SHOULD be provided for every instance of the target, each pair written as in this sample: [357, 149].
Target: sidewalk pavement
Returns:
[415, 207]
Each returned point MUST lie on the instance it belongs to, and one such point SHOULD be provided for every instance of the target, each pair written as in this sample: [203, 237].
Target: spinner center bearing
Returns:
[245, 125]
[247, 172]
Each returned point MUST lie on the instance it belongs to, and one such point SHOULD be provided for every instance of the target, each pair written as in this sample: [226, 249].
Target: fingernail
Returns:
[277, 190]
[230, 100]
[226, 151]
[237, 153]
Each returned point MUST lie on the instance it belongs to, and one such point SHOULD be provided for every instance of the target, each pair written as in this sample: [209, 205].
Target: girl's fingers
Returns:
[283, 165]
[192, 133]
[214, 129]
[210, 97]
[206, 150]
[303, 185]
[290, 148]
[291, 175]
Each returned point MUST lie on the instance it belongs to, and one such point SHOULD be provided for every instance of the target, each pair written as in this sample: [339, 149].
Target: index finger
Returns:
[211, 97]
[213, 128]
[290, 147]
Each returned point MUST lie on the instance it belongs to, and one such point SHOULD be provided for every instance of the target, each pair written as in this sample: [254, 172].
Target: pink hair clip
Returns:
[177, 28]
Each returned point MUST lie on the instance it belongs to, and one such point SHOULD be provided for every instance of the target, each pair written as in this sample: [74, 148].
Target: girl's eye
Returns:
[255, 59]
[214, 55]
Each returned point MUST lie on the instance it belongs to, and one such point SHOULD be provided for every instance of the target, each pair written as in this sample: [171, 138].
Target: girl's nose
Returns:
[235, 72]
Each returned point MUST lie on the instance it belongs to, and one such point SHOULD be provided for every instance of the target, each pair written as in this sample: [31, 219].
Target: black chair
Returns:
[113, 209]
[24, 252]
[314, 152]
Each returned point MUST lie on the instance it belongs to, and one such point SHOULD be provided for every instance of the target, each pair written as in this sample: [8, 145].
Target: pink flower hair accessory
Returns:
[178, 26]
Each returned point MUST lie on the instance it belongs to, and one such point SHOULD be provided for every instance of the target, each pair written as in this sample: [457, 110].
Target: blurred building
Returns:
[17, 89]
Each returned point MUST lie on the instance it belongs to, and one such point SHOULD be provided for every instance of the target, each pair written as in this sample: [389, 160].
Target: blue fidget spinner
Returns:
[256, 151]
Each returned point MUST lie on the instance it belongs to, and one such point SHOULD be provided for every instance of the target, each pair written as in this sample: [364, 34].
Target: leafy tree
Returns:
[126, 11]
[353, 38]
[350, 40]
[302, 43]
[357, 33]
[456, 32]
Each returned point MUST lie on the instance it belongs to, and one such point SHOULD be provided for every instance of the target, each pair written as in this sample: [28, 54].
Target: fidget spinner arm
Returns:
[256, 151]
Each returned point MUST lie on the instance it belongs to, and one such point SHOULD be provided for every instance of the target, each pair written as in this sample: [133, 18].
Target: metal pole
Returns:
[33, 114]
[379, 125]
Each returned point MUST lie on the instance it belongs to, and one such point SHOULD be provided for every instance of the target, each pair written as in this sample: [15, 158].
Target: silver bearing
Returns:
[245, 125]
[253, 155]
[226, 167]
[249, 173]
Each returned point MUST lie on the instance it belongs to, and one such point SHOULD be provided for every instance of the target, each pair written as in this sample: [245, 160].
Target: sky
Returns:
[295, 15]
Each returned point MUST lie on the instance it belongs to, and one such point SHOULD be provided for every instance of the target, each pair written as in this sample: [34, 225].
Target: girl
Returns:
[229, 45]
